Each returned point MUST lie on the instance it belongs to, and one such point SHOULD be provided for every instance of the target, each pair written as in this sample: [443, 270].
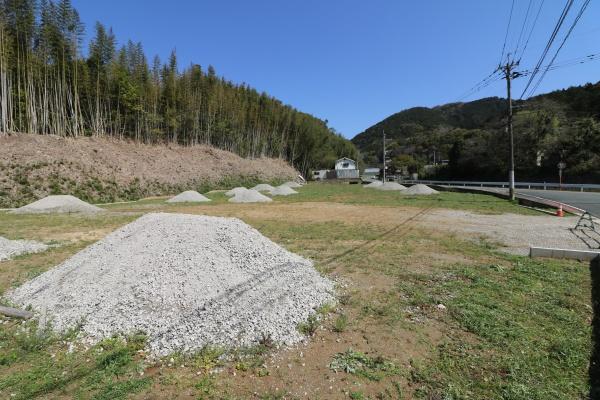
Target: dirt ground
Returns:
[33, 166]
[516, 233]
[376, 254]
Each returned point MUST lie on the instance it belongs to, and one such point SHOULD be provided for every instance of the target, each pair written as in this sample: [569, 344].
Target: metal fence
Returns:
[521, 185]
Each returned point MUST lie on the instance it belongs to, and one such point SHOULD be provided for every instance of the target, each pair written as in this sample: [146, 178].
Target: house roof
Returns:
[345, 158]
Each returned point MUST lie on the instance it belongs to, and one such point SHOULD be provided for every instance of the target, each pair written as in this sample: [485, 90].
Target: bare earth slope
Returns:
[96, 170]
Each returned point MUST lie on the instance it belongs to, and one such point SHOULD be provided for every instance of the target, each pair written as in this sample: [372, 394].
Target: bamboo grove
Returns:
[47, 86]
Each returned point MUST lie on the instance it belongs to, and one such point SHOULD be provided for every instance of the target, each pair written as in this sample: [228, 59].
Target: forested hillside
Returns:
[472, 136]
[48, 86]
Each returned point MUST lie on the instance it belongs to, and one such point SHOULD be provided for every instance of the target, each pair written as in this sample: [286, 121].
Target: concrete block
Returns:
[581, 255]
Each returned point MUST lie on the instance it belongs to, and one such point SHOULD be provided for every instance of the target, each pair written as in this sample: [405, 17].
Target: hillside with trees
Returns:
[49, 87]
[471, 137]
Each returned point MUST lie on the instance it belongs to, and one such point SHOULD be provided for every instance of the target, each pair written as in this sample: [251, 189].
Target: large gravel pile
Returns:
[250, 196]
[390, 186]
[58, 204]
[263, 187]
[420, 189]
[283, 191]
[373, 184]
[235, 191]
[187, 281]
[13, 248]
[292, 184]
[189, 196]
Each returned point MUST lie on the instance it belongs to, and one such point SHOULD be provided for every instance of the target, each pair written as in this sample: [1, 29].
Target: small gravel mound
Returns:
[58, 204]
[250, 196]
[189, 196]
[390, 186]
[292, 184]
[283, 191]
[187, 281]
[12, 248]
[235, 191]
[373, 184]
[420, 189]
[263, 187]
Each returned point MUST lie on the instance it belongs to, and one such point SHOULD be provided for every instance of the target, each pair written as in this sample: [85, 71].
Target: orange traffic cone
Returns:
[559, 212]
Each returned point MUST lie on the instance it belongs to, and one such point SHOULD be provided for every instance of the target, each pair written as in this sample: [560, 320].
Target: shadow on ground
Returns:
[594, 369]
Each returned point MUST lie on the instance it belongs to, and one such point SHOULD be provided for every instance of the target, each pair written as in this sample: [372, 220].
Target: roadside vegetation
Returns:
[421, 314]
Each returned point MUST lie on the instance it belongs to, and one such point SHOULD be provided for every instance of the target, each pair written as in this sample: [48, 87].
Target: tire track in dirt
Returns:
[407, 224]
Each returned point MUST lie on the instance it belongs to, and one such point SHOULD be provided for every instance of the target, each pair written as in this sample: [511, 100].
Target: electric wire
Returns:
[523, 28]
[531, 30]
[557, 27]
[575, 21]
[507, 30]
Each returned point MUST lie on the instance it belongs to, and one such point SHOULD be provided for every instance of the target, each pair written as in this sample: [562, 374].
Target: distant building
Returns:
[345, 163]
[346, 168]
[371, 174]
[320, 174]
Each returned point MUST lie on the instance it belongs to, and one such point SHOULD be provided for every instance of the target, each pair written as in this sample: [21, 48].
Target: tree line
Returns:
[48, 86]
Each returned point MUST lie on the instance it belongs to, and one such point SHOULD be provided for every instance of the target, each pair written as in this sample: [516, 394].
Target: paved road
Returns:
[589, 201]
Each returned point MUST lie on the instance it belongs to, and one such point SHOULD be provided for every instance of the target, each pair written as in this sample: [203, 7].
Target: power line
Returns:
[531, 30]
[575, 21]
[557, 27]
[485, 82]
[523, 27]
[507, 30]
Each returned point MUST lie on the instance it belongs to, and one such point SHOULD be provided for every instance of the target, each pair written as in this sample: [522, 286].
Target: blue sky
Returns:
[351, 62]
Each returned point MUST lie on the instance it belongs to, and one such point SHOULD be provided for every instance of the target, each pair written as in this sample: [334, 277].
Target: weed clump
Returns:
[340, 324]
[309, 328]
[357, 363]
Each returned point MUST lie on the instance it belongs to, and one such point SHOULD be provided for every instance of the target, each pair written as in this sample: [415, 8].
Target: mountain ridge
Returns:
[471, 136]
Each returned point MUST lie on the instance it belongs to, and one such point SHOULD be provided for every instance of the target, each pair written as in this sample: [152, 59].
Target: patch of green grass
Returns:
[310, 326]
[273, 396]
[358, 395]
[37, 365]
[250, 358]
[122, 389]
[530, 336]
[205, 387]
[326, 309]
[44, 226]
[357, 194]
[357, 363]
[340, 324]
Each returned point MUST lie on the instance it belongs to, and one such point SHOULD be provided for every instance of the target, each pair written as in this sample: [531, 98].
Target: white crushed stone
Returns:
[292, 184]
[189, 196]
[420, 189]
[263, 187]
[187, 281]
[373, 184]
[235, 191]
[12, 248]
[250, 196]
[283, 191]
[390, 186]
[516, 233]
[58, 204]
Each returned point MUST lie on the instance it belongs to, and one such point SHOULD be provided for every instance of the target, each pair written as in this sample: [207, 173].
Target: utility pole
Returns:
[384, 156]
[510, 74]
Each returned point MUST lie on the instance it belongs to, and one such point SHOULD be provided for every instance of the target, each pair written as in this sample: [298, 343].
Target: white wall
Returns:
[340, 164]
